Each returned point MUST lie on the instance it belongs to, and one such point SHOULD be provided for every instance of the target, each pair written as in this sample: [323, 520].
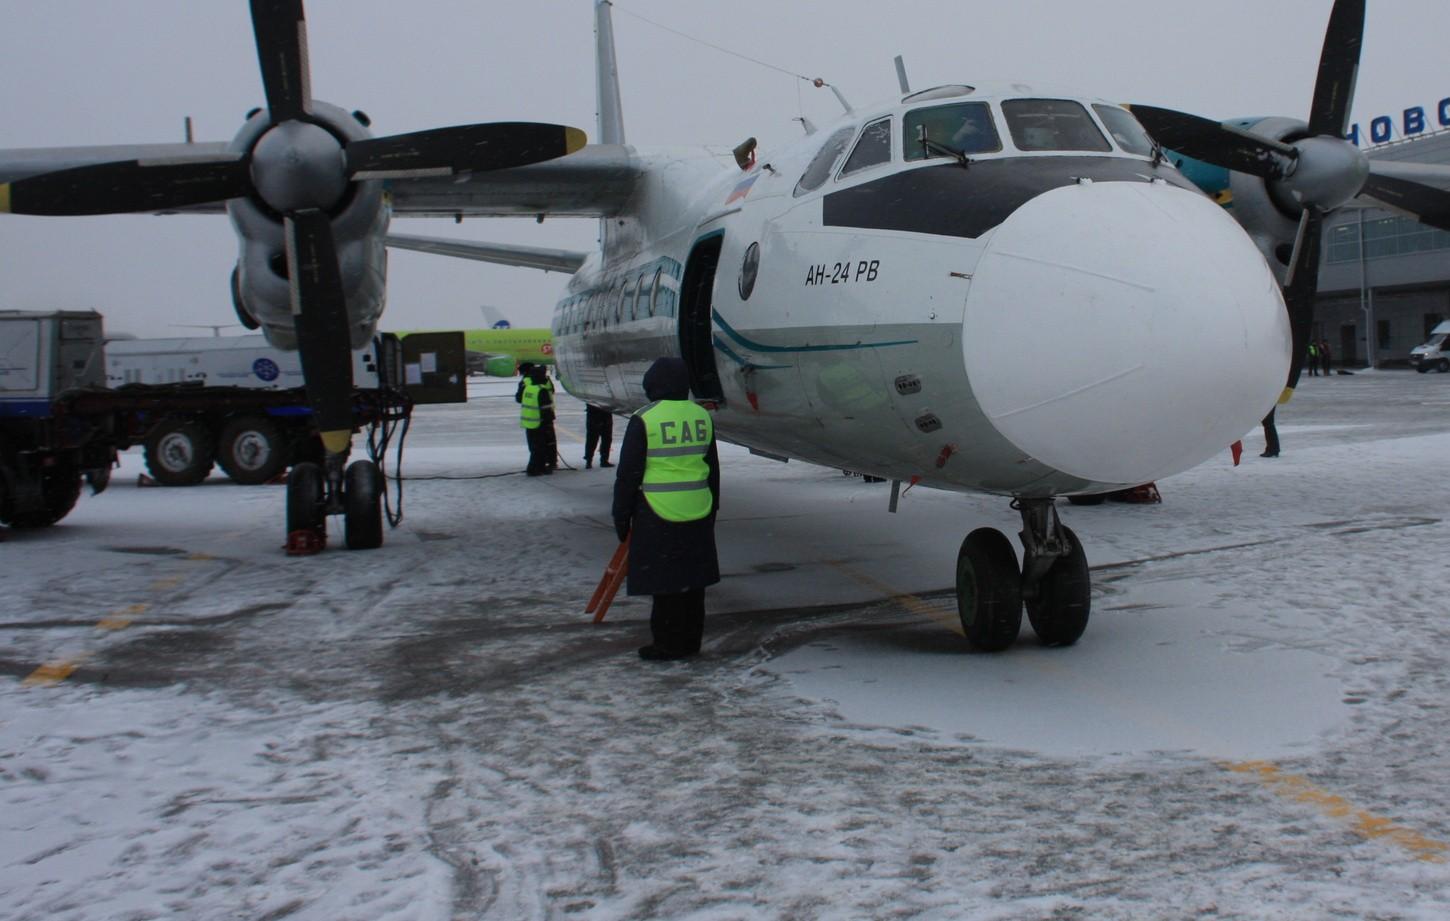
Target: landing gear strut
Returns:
[1053, 583]
[315, 491]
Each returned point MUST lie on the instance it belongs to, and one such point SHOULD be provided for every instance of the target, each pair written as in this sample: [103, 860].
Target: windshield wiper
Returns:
[931, 146]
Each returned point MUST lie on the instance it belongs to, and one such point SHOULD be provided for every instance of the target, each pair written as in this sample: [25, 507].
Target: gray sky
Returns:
[75, 76]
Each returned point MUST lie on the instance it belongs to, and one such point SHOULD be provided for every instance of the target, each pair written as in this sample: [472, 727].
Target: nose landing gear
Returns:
[1053, 583]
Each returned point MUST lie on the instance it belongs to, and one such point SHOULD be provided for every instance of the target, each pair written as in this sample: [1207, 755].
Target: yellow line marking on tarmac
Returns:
[53, 673]
[1365, 824]
[905, 599]
[168, 582]
[199, 556]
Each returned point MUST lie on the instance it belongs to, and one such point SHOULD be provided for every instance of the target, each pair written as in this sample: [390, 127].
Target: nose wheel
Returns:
[1053, 582]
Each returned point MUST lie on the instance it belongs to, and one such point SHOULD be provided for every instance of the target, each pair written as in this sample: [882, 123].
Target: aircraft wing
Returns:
[594, 182]
[21, 163]
[533, 257]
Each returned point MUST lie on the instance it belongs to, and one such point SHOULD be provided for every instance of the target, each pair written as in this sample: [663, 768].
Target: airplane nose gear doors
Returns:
[1053, 582]
[697, 346]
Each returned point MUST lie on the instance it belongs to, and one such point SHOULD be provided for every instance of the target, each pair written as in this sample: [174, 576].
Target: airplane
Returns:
[498, 350]
[988, 288]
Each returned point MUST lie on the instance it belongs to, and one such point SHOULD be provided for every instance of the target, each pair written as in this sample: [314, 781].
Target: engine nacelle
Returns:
[359, 225]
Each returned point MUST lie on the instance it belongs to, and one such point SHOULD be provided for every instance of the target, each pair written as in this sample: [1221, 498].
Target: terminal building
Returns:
[1384, 280]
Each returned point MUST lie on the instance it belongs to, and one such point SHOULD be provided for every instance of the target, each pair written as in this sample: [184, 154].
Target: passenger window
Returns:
[873, 149]
[965, 127]
[1125, 129]
[1052, 124]
[824, 162]
[654, 293]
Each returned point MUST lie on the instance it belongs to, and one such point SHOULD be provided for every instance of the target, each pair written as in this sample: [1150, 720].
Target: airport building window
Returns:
[1052, 124]
[1391, 236]
[873, 149]
[654, 294]
[824, 162]
[1382, 333]
[965, 127]
[1125, 129]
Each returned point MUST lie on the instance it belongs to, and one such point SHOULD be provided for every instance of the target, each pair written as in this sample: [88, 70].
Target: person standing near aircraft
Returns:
[666, 494]
[551, 437]
[598, 432]
[1313, 359]
[1271, 435]
[535, 400]
[1326, 359]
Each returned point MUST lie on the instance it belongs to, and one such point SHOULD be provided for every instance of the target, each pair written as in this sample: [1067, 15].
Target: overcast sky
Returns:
[75, 76]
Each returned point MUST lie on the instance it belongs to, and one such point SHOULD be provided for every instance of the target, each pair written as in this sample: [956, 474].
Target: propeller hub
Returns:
[298, 165]
[1328, 172]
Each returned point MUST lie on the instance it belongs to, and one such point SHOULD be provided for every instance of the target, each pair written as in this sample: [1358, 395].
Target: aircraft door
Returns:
[697, 289]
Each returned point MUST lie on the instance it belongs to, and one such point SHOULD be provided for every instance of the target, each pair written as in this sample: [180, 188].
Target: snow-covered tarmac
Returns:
[1254, 726]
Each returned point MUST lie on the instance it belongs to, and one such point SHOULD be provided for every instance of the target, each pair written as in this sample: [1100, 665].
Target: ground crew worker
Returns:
[666, 494]
[534, 399]
[598, 432]
[551, 438]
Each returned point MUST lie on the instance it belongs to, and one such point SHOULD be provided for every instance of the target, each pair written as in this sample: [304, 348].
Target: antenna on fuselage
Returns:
[901, 75]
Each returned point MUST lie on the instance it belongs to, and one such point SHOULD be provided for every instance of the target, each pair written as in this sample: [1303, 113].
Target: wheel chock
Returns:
[306, 542]
[609, 583]
[144, 480]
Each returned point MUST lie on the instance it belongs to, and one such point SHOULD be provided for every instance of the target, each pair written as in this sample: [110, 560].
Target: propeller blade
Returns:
[127, 186]
[460, 149]
[1303, 285]
[1338, 69]
[319, 311]
[1214, 142]
[1428, 204]
[281, 31]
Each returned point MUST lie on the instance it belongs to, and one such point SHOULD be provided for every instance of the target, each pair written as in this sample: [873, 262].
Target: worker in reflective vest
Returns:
[666, 494]
[535, 399]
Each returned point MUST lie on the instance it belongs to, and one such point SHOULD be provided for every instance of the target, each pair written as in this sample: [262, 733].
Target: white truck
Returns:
[1435, 353]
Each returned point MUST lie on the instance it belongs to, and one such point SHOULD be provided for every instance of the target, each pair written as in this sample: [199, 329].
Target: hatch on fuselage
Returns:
[697, 345]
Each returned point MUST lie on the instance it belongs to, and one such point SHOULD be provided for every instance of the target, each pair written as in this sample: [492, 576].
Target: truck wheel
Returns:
[1443, 366]
[363, 506]
[59, 490]
[179, 452]
[251, 450]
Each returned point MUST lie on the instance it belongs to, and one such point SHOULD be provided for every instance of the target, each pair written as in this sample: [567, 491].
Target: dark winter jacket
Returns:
[665, 557]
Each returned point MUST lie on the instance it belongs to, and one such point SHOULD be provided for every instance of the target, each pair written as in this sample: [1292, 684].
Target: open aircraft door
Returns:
[435, 367]
[697, 292]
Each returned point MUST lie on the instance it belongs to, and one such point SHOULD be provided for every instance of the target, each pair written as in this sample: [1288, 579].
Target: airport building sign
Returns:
[1413, 121]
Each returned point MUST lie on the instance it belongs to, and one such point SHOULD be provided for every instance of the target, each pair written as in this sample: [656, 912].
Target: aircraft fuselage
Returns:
[1056, 314]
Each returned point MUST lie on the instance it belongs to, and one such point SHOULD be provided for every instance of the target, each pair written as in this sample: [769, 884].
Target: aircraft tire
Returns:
[179, 452]
[1059, 612]
[251, 450]
[989, 590]
[304, 499]
[363, 506]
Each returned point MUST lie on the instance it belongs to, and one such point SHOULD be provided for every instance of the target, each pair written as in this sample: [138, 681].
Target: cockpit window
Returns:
[941, 131]
[1125, 129]
[873, 149]
[1052, 124]
[820, 169]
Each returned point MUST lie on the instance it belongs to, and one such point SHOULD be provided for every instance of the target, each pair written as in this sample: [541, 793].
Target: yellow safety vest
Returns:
[678, 434]
[529, 416]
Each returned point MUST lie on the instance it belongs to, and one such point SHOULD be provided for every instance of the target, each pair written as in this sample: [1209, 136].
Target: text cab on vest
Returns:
[668, 436]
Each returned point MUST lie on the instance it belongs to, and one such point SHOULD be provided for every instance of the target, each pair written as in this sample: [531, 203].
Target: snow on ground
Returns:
[1254, 725]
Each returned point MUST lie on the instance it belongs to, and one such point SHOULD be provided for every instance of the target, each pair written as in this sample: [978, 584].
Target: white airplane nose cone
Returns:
[1121, 332]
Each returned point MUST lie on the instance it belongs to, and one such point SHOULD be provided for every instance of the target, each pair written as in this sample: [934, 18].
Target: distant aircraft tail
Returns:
[494, 317]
